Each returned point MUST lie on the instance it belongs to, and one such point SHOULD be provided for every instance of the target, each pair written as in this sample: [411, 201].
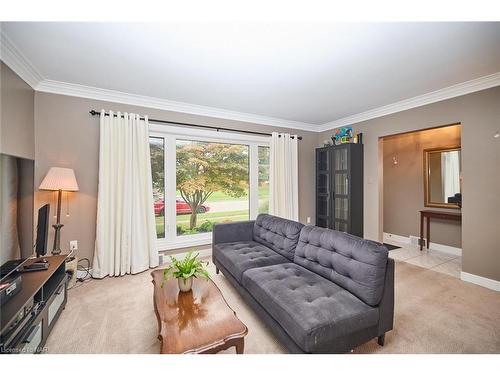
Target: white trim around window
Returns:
[171, 134]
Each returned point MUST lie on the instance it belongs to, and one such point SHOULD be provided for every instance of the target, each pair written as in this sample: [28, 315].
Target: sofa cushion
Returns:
[279, 234]
[355, 264]
[237, 257]
[311, 309]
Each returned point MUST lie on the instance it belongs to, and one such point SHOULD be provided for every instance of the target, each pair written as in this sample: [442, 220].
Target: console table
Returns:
[443, 215]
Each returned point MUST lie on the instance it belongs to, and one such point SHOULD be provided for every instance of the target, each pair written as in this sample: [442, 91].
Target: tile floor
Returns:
[430, 259]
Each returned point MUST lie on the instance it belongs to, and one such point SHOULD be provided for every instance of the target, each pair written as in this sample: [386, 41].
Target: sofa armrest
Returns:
[233, 232]
[386, 306]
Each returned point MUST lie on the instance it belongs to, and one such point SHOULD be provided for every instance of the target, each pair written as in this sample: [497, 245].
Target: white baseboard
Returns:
[480, 280]
[388, 237]
[446, 249]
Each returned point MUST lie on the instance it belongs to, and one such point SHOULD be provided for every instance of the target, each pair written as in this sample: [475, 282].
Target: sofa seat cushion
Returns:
[312, 310]
[237, 257]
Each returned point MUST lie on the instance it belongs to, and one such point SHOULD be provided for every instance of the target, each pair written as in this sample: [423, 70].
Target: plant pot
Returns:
[185, 284]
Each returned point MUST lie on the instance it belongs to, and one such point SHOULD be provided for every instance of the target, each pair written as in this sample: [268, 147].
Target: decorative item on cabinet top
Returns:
[342, 136]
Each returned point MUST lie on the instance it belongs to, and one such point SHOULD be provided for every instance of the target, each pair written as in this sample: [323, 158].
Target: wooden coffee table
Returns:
[198, 321]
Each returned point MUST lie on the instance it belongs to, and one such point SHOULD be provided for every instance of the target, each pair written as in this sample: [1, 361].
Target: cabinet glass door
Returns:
[341, 186]
[340, 157]
[340, 226]
[323, 208]
[322, 160]
[323, 183]
[324, 188]
[341, 183]
[341, 208]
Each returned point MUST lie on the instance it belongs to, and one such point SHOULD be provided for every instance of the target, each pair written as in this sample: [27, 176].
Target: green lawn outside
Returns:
[216, 217]
[219, 196]
[160, 228]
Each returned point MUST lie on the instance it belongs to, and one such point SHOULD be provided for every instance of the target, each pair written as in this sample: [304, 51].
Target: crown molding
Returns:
[13, 58]
[71, 89]
[460, 89]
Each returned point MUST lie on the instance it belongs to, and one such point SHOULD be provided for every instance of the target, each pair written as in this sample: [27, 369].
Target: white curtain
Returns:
[283, 179]
[126, 230]
[450, 173]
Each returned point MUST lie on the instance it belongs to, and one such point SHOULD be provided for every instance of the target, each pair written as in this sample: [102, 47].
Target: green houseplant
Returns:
[185, 270]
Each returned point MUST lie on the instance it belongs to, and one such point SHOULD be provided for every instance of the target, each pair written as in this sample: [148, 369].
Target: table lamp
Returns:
[59, 179]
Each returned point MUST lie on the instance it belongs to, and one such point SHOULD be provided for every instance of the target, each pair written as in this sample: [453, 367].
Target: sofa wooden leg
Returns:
[216, 270]
[381, 340]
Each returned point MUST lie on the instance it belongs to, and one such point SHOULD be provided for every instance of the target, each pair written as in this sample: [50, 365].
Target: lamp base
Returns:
[56, 250]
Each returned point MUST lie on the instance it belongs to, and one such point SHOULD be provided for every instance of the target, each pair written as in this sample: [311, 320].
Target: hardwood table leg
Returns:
[421, 230]
[240, 346]
[428, 231]
[157, 314]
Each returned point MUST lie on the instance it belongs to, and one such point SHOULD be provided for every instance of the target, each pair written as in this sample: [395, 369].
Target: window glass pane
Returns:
[157, 150]
[263, 180]
[212, 185]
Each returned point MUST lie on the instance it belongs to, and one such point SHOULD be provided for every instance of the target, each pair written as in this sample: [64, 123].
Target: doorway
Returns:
[422, 172]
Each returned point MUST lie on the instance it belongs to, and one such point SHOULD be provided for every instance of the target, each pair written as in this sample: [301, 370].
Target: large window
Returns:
[263, 179]
[212, 185]
[157, 149]
[201, 178]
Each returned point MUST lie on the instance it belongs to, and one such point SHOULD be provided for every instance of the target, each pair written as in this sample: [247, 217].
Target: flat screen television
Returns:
[42, 230]
[16, 207]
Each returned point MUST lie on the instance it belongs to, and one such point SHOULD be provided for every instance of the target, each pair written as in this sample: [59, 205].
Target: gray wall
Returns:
[404, 184]
[479, 114]
[67, 136]
[17, 134]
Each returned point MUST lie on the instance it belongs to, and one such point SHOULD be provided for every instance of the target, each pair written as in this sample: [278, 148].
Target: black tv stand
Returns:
[29, 316]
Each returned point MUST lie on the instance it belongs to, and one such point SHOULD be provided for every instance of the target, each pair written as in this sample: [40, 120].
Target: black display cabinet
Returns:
[339, 188]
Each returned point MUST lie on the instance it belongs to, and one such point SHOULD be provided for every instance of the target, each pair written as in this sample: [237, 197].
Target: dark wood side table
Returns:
[442, 215]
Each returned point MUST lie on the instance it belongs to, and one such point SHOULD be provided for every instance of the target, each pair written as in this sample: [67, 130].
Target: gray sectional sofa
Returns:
[318, 290]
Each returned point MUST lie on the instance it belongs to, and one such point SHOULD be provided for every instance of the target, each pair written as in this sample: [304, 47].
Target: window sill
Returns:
[189, 241]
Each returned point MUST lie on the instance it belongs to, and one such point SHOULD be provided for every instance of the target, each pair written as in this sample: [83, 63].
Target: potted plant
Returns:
[184, 270]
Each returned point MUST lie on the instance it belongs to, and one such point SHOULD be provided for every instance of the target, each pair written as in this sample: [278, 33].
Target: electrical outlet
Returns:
[73, 245]
[308, 220]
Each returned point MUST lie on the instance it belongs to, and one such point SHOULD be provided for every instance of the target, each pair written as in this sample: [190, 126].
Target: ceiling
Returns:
[310, 74]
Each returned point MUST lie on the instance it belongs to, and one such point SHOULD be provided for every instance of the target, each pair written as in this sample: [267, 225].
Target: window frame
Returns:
[172, 133]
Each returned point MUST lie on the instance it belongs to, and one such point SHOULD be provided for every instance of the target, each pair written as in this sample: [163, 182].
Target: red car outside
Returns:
[181, 207]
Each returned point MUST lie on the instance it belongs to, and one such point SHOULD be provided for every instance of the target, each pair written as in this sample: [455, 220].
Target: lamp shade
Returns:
[59, 179]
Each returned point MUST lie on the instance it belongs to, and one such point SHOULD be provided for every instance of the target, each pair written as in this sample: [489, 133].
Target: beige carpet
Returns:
[435, 313]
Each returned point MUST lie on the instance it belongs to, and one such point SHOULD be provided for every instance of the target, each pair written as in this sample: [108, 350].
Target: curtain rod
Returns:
[216, 128]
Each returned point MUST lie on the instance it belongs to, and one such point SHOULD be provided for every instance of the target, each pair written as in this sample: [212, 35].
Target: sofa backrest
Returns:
[279, 234]
[353, 263]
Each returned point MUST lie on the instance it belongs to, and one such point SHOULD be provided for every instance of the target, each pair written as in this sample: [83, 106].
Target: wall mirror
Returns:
[443, 178]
